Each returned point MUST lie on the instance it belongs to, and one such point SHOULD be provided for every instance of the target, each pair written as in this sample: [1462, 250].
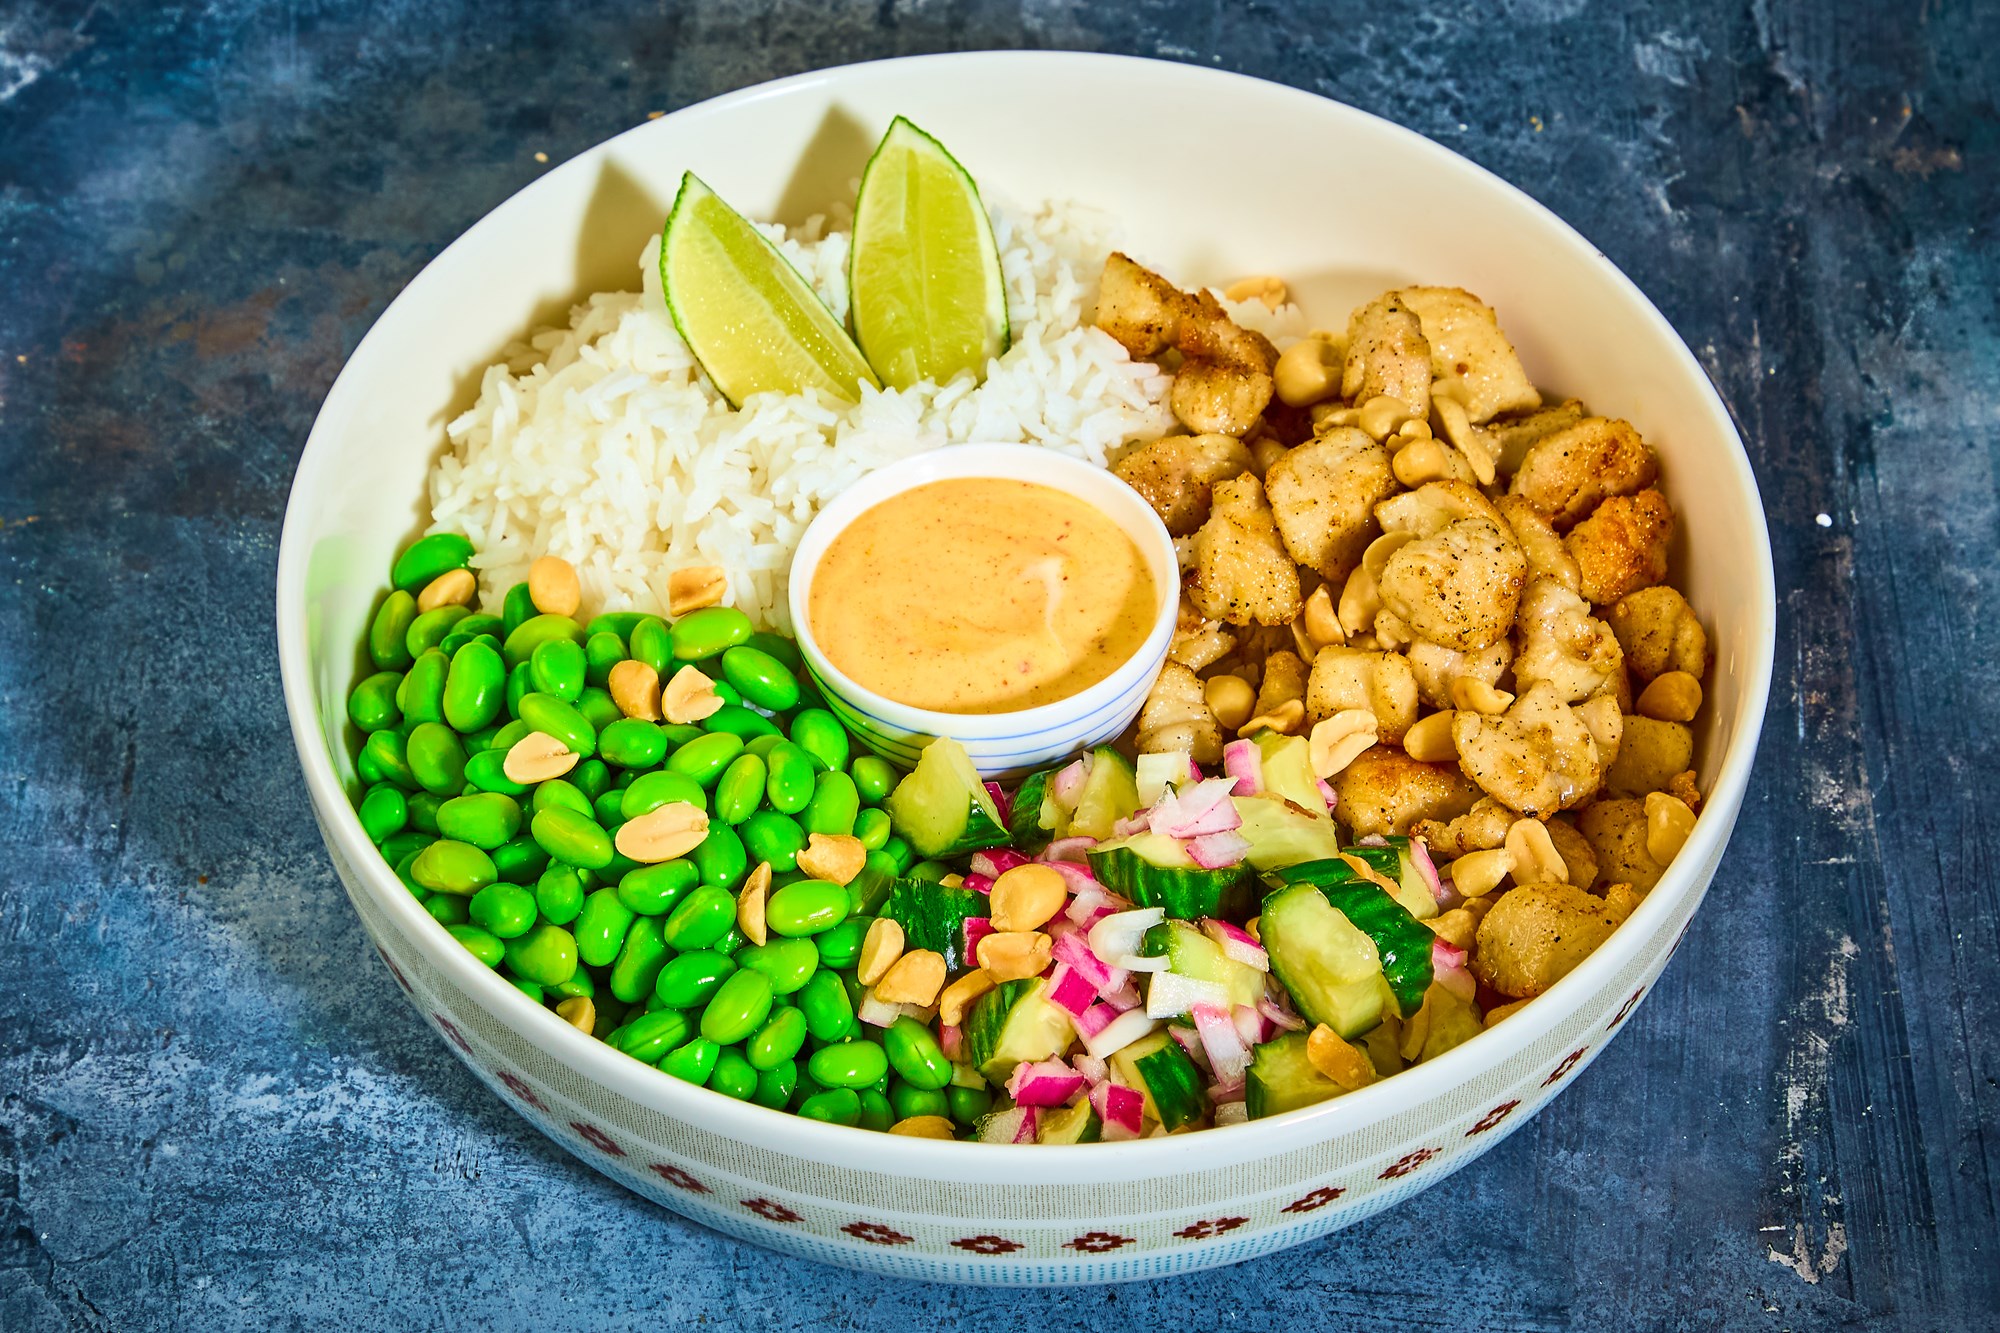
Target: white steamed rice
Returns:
[604, 443]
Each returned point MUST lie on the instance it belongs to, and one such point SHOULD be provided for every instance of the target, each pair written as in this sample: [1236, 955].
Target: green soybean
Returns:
[561, 795]
[874, 778]
[773, 837]
[599, 708]
[829, 1013]
[840, 946]
[807, 907]
[437, 758]
[782, 1036]
[788, 784]
[371, 704]
[481, 944]
[651, 1035]
[519, 860]
[709, 631]
[447, 909]
[487, 770]
[740, 790]
[915, 1054]
[484, 819]
[820, 735]
[876, 1113]
[609, 809]
[615, 622]
[649, 791]
[427, 557]
[559, 892]
[653, 890]
[579, 984]
[778, 646]
[383, 811]
[517, 608]
[901, 853]
[528, 988]
[552, 717]
[720, 857]
[386, 753]
[738, 1007]
[740, 721]
[761, 746]
[632, 742]
[907, 1100]
[601, 926]
[558, 667]
[835, 1106]
[602, 650]
[571, 838]
[389, 632]
[453, 867]
[680, 733]
[691, 979]
[729, 694]
[651, 643]
[734, 1077]
[479, 623]
[701, 918]
[591, 777]
[532, 633]
[546, 955]
[420, 694]
[704, 758]
[428, 630]
[730, 944]
[834, 807]
[968, 1104]
[503, 910]
[790, 964]
[406, 843]
[694, 1062]
[872, 827]
[761, 677]
[475, 688]
[640, 958]
[776, 1084]
[424, 807]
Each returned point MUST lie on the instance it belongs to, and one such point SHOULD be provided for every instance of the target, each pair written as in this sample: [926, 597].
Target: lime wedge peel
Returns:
[755, 325]
[925, 293]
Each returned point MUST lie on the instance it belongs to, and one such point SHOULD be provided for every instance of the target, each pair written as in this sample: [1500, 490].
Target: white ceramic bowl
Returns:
[1001, 744]
[1029, 125]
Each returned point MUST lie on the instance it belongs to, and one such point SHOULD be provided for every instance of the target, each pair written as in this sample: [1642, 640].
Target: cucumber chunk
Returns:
[1070, 1124]
[1189, 953]
[933, 916]
[1158, 1069]
[1013, 1024]
[1332, 969]
[1039, 818]
[1282, 1079]
[1110, 793]
[1154, 870]
[942, 808]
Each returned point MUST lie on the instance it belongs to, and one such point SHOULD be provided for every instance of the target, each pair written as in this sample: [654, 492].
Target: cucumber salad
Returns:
[1423, 739]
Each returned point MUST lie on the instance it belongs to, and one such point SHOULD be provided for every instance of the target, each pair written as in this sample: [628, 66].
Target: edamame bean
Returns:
[834, 806]
[389, 632]
[481, 944]
[558, 667]
[447, 909]
[782, 1036]
[840, 946]
[424, 808]
[532, 633]
[740, 721]
[559, 893]
[520, 684]
[835, 1106]
[420, 694]
[907, 1100]
[598, 707]
[579, 985]
[427, 557]
[916, 1054]
[552, 717]
[729, 694]
[690, 980]
[707, 632]
[383, 811]
[849, 1063]
[653, 890]
[546, 955]
[968, 1104]
[519, 860]
[899, 852]
[517, 608]
[761, 746]
[780, 647]
[776, 1084]
[807, 907]
[602, 650]
[632, 742]
[679, 733]
[773, 837]
[371, 704]
[738, 1007]
[820, 735]
[734, 1077]
[701, 918]
[789, 782]
[529, 989]
[484, 819]
[487, 770]
[571, 838]
[558, 793]
[503, 910]
[704, 758]
[637, 967]
[829, 1013]
[876, 1113]
[609, 810]
[873, 777]
[872, 827]
[436, 758]
[475, 688]
[652, 644]
[427, 631]
[740, 790]
[788, 963]
[761, 677]
[591, 777]
[453, 867]
[730, 944]
[479, 623]
[407, 843]
[601, 927]
[694, 1062]
[649, 791]
[720, 857]
[651, 1035]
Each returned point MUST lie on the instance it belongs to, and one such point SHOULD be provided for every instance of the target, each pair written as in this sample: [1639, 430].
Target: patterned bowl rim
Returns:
[1028, 1163]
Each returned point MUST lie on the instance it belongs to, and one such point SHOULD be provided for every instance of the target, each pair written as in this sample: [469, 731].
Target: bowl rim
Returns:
[971, 461]
[791, 1135]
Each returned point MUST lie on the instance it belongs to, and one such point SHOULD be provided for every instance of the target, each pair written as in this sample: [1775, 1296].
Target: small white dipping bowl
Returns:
[1001, 744]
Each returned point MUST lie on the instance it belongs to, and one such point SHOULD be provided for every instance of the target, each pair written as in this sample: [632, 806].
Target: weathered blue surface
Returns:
[217, 1113]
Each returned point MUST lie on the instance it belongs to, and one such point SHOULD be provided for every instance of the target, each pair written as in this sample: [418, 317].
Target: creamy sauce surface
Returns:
[981, 595]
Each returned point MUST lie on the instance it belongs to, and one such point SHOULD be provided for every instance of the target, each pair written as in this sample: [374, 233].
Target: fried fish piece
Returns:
[1243, 574]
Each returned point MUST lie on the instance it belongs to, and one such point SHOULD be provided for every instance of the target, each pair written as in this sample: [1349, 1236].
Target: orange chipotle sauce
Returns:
[981, 595]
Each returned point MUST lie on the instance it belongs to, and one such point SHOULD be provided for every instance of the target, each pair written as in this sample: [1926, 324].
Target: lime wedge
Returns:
[755, 325]
[923, 278]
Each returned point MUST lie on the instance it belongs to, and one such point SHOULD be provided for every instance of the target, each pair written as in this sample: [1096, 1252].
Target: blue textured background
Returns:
[216, 1112]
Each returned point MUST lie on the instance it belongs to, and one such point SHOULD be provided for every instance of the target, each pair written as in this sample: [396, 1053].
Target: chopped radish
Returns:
[1212, 851]
[1121, 1109]
[1069, 990]
[1281, 1017]
[1119, 934]
[1123, 997]
[1095, 1019]
[951, 1040]
[1132, 824]
[1232, 1113]
[1428, 869]
[1076, 876]
[1072, 950]
[1044, 1083]
[1448, 968]
[1067, 785]
[1001, 802]
[1170, 993]
[1119, 1033]
[977, 882]
[1067, 849]
[1251, 1025]
[878, 1013]
[995, 862]
[1093, 1069]
[1326, 791]
[1202, 808]
[977, 928]
[1228, 1055]
[1236, 943]
[1243, 761]
[1190, 1041]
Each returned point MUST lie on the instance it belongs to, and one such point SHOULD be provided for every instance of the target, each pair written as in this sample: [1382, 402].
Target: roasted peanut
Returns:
[553, 586]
